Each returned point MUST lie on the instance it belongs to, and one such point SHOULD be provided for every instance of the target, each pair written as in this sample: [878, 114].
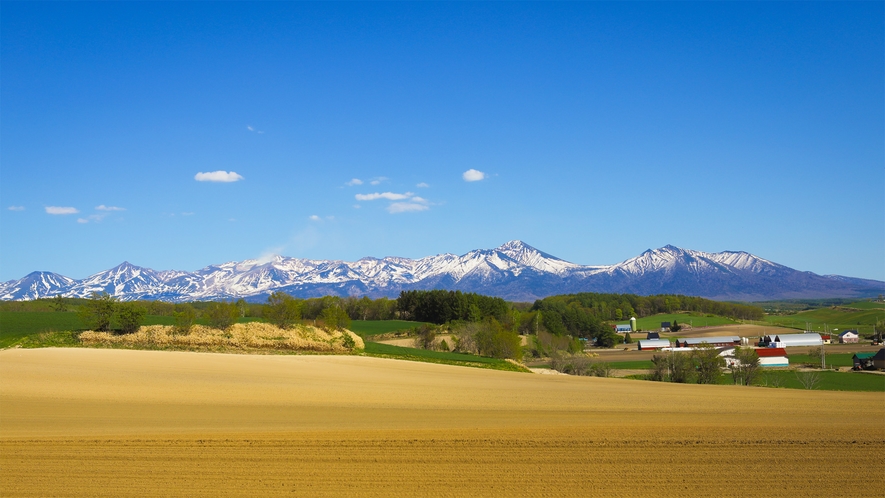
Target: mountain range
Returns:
[514, 271]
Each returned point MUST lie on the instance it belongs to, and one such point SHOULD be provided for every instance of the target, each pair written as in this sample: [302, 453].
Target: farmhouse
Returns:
[789, 340]
[848, 337]
[665, 326]
[623, 329]
[712, 341]
[653, 335]
[773, 357]
[646, 345]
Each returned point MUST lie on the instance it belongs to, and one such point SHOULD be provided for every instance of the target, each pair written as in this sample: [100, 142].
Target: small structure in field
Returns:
[879, 359]
[646, 345]
[862, 361]
[790, 340]
[848, 337]
[773, 357]
[825, 338]
[712, 341]
[665, 326]
[623, 329]
[653, 335]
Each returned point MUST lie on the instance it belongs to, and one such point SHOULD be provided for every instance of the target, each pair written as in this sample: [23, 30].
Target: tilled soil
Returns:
[79, 422]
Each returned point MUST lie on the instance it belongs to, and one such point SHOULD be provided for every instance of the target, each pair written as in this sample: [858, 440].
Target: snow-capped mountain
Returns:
[514, 271]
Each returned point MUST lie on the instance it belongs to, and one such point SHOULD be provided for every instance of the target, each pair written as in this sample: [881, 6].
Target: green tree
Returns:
[628, 339]
[59, 304]
[708, 364]
[335, 318]
[675, 327]
[129, 316]
[96, 313]
[426, 336]
[282, 310]
[746, 366]
[184, 317]
[221, 315]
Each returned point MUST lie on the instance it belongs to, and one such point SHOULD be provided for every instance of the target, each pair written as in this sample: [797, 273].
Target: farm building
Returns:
[646, 345]
[848, 337]
[653, 335]
[712, 341]
[623, 329]
[773, 357]
[788, 340]
[879, 359]
[665, 326]
[825, 339]
[863, 361]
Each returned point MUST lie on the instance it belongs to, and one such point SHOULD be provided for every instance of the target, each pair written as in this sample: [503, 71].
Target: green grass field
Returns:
[827, 380]
[632, 365]
[694, 319]
[860, 316]
[413, 354]
[368, 328]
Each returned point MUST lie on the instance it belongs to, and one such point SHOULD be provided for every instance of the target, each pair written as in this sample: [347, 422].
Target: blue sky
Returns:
[592, 131]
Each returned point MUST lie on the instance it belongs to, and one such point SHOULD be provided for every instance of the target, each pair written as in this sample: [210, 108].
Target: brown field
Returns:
[85, 422]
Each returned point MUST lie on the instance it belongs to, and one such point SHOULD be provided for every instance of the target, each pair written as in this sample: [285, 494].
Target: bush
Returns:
[184, 316]
[96, 313]
[221, 315]
[282, 310]
[347, 340]
[130, 315]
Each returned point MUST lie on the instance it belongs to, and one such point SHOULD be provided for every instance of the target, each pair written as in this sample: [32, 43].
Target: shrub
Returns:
[184, 316]
[96, 313]
[129, 316]
[282, 310]
[221, 315]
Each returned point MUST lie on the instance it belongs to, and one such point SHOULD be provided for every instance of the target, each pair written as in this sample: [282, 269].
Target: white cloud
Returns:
[422, 185]
[355, 181]
[218, 176]
[82, 220]
[16, 208]
[61, 210]
[109, 208]
[314, 217]
[419, 199]
[187, 213]
[92, 217]
[254, 130]
[378, 179]
[404, 207]
[472, 175]
[390, 196]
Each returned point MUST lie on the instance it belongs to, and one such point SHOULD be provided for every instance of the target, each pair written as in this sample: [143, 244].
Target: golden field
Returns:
[107, 422]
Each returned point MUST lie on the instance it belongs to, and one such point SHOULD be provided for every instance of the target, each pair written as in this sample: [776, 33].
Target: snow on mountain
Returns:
[35, 285]
[514, 271]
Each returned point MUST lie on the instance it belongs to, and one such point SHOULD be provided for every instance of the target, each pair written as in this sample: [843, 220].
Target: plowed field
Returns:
[81, 422]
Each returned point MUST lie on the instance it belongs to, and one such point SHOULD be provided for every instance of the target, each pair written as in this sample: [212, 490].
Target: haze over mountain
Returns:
[514, 271]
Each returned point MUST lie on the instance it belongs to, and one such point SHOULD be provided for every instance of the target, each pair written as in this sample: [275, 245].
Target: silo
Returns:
[633, 324]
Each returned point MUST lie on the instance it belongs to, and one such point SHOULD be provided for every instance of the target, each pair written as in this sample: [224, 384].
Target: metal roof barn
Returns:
[713, 341]
[645, 345]
[788, 340]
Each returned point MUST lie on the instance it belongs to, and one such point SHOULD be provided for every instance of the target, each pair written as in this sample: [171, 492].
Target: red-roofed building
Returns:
[773, 357]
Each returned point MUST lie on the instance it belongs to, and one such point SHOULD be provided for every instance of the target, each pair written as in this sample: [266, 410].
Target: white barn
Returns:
[791, 340]
[648, 345]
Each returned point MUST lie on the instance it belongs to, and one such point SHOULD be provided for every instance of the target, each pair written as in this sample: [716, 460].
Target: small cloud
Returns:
[61, 210]
[92, 217]
[16, 208]
[82, 220]
[422, 185]
[386, 195]
[405, 207]
[109, 208]
[232, 220]
[354, 182]
[218, 176]
[377, 180]
[253, 130]
[472, 175]
[187, 213]
[420, 199]
[314, 217]
[356, 206]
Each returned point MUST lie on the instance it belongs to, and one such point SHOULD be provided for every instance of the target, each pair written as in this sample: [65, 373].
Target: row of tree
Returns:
[704, 366]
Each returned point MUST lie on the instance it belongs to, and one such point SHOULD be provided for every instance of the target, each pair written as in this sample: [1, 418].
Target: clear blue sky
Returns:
[594, 131]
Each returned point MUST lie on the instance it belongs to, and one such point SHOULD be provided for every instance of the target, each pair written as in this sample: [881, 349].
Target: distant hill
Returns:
[514, 271]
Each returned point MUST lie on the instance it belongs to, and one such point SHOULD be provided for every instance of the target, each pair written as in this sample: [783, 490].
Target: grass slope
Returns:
[840, 317]
[695, 319]
[368, 328]
[414, 354]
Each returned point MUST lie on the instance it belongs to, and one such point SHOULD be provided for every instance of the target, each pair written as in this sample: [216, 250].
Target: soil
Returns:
[109, 422]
